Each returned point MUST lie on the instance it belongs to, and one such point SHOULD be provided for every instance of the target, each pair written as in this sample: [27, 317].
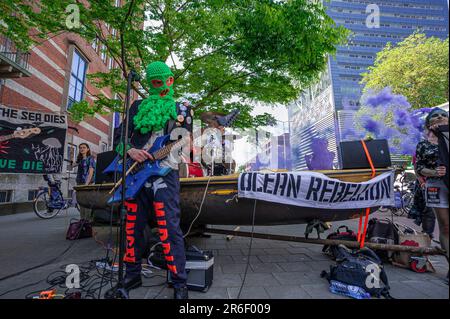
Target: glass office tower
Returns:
[315, 113]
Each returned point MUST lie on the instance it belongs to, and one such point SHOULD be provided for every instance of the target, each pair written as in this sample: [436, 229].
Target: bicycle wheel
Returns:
[408, 200]
[397, 211]
[40, 206]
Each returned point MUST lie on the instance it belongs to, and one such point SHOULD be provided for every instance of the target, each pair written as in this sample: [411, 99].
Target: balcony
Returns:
[13, 62]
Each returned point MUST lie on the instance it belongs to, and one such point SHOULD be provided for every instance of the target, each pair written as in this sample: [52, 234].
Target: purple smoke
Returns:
[372, 126]
[401, 117]
[321, 157]
[385, 98]
[403, 130]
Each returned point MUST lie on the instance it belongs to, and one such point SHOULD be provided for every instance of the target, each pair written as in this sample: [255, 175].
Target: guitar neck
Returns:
[165, 151]
[6, 137]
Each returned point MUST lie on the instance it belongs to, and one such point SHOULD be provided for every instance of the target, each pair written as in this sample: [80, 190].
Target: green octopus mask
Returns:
[159, 107]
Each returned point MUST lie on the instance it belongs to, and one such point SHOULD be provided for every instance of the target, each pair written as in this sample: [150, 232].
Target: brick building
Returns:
[50, 77]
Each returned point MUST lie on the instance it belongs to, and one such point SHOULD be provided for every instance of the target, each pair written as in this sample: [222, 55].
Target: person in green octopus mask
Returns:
[148, 119]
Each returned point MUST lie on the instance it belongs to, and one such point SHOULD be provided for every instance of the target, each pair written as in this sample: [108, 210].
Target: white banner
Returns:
[311, 189]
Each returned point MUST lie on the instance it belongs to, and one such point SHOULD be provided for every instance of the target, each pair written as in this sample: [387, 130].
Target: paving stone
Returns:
[318, 266]
[320, 291]
[273, 264]
[253, 252]
[299, 257]
[399, 290]
[244, 259]
[276, 251]
[261, 245]
[428, 288]
[294, 266]
[287, 292]
[260, 279]
[278, 244]
[297, 250]
[220, 259]
[237, 246]
[395, 275]
[318, 256]
[439, 282]
[299, 245]
[294, 278]
[234, 268]
[272, 258]
[166, 293]
[227, 280]
[257, 292]
[212, 293]
[265, 268]
[230, 252]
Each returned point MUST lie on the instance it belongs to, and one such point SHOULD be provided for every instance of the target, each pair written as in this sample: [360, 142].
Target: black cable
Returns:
[40, 265]
[249, 251]
[20, 288]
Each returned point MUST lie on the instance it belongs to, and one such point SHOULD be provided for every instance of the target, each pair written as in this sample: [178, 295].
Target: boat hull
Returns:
[221, 205]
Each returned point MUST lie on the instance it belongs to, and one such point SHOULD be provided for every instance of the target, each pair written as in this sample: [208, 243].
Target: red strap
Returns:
[361, 238]
[359, 227]
[369, 158]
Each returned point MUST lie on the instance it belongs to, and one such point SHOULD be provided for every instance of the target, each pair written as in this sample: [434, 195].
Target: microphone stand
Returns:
[121, 292]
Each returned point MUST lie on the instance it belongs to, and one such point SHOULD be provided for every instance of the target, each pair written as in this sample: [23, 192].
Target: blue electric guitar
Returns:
[138, 173]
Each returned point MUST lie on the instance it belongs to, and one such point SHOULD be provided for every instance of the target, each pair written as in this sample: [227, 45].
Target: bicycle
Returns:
[403, 194]
[49, 201]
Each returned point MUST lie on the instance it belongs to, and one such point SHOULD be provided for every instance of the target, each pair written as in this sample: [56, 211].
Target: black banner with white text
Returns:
[31, 142]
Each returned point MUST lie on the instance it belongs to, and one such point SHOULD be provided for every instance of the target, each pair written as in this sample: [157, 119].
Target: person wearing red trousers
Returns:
[149, 119]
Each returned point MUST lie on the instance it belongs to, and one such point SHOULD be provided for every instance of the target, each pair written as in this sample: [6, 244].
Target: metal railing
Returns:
[12, 53]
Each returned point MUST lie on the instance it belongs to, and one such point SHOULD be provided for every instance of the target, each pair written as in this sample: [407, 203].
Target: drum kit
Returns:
[215, 120]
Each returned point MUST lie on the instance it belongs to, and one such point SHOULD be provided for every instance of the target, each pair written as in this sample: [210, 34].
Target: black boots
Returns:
[122, 292]
[181, 293]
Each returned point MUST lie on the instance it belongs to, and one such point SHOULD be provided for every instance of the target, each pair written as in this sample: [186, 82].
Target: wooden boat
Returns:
[222, 206]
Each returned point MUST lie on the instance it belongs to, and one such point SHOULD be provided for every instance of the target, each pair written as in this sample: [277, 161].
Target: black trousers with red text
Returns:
[161, 194]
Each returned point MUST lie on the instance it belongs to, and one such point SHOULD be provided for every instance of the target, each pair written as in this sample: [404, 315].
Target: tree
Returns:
[417, 68]
[225, 54]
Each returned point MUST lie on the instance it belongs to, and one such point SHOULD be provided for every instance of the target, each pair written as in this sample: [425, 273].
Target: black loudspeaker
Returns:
[103, 160]
[353, 155]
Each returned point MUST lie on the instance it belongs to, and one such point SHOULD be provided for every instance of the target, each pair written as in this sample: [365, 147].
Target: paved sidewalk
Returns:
[276, 269]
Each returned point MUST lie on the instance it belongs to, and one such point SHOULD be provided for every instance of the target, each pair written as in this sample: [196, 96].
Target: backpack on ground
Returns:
[347, 234]
[360, 268]
[79, 229]
[382, 231]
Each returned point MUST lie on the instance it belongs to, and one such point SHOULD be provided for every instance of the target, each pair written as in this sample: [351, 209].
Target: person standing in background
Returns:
[430, 165]
[85, 174]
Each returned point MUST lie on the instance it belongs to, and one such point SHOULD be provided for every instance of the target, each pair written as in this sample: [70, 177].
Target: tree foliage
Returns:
[224, 54]
[417, 68]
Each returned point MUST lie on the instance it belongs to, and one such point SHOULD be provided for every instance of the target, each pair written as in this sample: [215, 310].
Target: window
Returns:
[77, 79]
[95, 44]
[104, 147]
[103, 53]
[71, 152]
[110, 63]
[5, 196]
[32, 194]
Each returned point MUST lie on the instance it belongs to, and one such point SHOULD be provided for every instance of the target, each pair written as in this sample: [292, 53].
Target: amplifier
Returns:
[199, 268]
[103, 160]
